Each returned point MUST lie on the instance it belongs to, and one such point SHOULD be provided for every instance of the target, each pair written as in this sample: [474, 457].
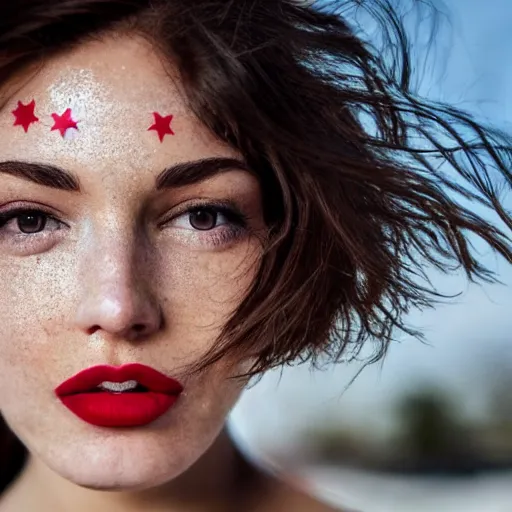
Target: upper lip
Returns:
[91, 378]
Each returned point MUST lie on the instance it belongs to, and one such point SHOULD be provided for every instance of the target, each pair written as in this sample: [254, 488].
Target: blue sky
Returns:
[468, 340]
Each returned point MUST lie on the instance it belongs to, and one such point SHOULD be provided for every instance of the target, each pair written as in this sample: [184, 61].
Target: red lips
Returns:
[154, 396]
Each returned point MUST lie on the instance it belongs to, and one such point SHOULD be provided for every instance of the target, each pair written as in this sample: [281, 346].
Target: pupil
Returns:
[31, 222]
[203, 220]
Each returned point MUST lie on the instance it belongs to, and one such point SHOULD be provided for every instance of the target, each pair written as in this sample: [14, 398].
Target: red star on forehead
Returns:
[64, 122]
[162, 125]
[24, 115]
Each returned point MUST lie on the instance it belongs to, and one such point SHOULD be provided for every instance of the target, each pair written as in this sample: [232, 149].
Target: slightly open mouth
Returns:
[138, 389]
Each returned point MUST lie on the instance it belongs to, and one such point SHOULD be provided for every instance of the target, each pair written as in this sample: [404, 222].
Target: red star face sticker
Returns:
[64, 122]
[162, 125]
[24, 115]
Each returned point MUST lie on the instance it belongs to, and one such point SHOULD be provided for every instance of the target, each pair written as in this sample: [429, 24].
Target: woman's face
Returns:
[117, 264]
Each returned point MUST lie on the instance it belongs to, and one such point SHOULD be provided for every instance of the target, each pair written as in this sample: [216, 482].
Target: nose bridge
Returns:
[110, 270]
[116, 293]
[109, 253]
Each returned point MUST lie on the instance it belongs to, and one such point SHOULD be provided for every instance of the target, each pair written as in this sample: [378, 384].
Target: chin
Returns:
[136, 482]
[124, 471]
[126, 460]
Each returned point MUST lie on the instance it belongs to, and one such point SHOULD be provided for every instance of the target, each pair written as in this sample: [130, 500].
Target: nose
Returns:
[115, 296]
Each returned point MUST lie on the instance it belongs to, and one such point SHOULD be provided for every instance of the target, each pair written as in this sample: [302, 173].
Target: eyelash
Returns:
[235, 227]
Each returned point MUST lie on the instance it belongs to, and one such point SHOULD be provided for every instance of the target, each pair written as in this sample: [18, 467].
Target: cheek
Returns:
[203, 289]
[34, 291]
[32, 310]
[209, 397]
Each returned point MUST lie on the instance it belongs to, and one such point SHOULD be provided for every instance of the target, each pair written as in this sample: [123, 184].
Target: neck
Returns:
[207, 486]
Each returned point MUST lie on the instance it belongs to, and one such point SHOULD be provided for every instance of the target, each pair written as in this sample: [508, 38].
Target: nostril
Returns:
[138, 328]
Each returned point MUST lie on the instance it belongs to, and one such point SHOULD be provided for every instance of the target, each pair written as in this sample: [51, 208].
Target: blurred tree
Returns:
[500, 397]
[331, 443]
[434, 435]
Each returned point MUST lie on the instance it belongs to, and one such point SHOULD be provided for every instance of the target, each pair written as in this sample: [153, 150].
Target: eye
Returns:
[208, 225]
[201, 219]
[27, 222]
[31, 222]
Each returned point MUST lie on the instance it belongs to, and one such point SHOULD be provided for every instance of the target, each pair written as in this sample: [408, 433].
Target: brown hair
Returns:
[364, 182]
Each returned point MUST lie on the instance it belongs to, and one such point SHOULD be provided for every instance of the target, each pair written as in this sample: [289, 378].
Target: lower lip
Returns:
[106, 409]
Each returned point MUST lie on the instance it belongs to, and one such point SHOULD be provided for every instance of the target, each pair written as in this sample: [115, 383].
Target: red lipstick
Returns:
[132, 395]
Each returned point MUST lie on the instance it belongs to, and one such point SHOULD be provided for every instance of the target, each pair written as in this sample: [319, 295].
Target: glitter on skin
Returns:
[81, 92]
[98, 111]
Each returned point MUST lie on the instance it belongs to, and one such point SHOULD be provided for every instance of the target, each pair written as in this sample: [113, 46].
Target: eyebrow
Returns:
[188, 173]
[42, 174]
[178, 175]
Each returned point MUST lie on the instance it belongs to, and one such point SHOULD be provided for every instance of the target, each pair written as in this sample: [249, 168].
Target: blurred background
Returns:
[430, 428]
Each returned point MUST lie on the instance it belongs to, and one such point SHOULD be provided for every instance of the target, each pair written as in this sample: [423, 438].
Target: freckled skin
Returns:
[72, 294]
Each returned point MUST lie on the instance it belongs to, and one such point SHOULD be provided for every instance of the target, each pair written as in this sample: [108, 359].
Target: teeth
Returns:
[118, 387]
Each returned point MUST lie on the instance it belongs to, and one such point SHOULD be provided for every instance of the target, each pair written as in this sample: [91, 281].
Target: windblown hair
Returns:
[364, 182]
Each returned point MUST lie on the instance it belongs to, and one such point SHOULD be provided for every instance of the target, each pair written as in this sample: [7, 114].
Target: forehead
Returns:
[113, 89]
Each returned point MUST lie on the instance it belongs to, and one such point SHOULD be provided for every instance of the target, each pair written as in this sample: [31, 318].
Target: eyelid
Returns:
[24, 206]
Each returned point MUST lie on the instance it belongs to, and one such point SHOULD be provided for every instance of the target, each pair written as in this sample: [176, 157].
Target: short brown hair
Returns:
[355, 196]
